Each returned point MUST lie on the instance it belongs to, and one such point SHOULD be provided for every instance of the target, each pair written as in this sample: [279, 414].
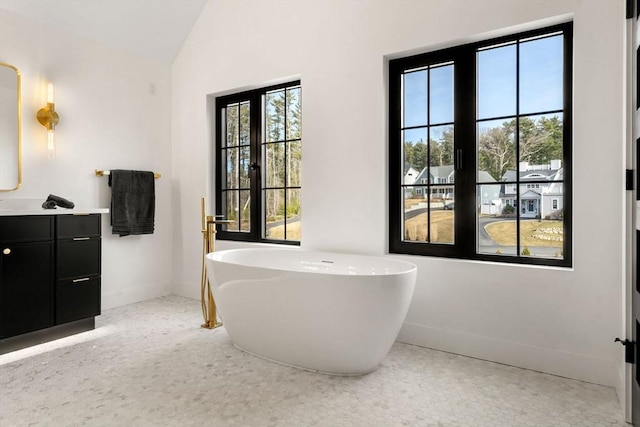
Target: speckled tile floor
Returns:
[150, 364]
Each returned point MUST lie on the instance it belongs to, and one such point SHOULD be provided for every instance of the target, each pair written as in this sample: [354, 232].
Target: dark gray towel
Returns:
[133, 202]
[49, 204]
[59, 201]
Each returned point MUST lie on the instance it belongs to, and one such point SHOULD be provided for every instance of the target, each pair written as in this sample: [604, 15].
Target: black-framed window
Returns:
[258, 164]
[480, 150]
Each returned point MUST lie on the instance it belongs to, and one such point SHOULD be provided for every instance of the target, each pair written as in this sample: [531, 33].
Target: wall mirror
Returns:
[10, 128]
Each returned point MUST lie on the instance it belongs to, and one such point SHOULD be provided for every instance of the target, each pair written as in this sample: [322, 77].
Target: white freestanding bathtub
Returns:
[327, 312]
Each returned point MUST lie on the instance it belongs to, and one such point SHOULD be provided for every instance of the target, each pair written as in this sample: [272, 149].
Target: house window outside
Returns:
[258, 158]
[512, 145]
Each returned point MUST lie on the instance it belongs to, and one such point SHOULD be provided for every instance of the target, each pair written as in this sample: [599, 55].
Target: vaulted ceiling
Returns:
[155, 29]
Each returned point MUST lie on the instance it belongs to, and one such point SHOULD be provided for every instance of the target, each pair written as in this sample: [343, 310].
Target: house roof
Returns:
[408, 167]
[484, 176]
[435, 172]
[421, 175]
[446, 171]
[533, 175]
[555, 189]
[530, 195]
[441, 171]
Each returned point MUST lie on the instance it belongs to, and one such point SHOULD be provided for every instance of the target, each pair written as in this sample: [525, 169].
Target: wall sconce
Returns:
[48, 118]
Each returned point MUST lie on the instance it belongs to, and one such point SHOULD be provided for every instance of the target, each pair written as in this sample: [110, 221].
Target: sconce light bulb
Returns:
[50, 93]
[51, 147]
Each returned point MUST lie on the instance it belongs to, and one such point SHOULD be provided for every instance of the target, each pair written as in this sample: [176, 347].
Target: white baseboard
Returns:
[542, 359]
[188, 290]
[131, 295]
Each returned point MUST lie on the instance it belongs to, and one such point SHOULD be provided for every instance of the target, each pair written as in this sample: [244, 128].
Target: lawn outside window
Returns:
[480, 150]
[258, 159]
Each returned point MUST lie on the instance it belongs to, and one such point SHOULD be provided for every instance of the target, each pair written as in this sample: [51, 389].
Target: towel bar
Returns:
[108, 172]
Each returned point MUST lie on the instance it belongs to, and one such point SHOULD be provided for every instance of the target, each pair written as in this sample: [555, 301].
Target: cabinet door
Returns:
[26, 287]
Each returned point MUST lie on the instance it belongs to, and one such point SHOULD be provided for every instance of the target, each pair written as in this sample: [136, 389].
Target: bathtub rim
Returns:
[218, 255]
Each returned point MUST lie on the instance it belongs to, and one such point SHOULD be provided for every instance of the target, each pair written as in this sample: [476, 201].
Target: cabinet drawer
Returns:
[77, 299]
[77, 258]
[26, 228]
[69, 226]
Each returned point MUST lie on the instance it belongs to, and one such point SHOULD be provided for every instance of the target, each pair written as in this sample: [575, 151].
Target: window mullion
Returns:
[516, 139]
[255, 156]
[238, 165]
[465, 141]
[396, 217]
[285, 165]
[430, 184]
[220, 130]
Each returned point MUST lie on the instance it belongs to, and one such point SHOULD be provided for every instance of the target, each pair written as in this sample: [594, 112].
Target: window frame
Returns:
[256, 161]
[465, 151]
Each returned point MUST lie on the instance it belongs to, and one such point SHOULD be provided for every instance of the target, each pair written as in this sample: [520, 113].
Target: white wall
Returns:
[108, 120]
[560, 321]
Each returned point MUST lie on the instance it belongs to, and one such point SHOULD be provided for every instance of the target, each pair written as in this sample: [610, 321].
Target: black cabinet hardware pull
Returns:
[84, 279]
[81, 238]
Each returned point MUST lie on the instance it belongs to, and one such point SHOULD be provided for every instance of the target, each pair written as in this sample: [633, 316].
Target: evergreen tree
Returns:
[420, 155]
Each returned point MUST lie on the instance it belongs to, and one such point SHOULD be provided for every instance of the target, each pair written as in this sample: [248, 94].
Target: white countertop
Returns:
[19, 207]
[57, 211]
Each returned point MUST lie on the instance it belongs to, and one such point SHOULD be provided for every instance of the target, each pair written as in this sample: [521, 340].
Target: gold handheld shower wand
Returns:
[208, 245]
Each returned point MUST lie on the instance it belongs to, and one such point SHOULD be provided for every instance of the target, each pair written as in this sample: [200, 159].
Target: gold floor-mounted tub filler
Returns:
[208, 245]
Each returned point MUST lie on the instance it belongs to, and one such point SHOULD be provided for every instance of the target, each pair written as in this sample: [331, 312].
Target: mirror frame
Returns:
[19, 107]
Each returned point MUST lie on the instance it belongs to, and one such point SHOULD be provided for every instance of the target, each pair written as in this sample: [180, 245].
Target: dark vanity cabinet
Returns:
[26, 274]
[49, 276]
